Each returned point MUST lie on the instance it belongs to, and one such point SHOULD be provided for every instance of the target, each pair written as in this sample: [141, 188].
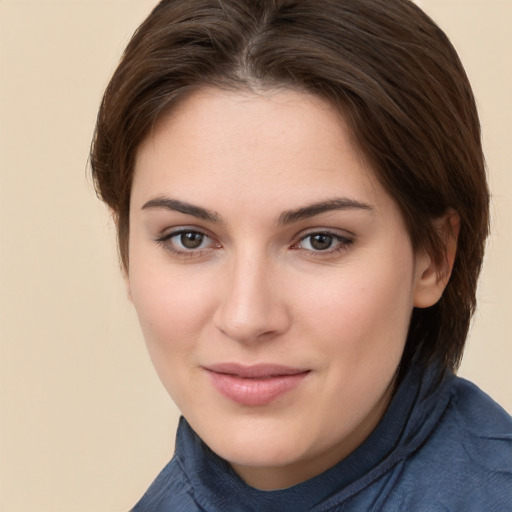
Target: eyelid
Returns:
[344, 240]
[169, 232]
[337, 233]
[165, 241]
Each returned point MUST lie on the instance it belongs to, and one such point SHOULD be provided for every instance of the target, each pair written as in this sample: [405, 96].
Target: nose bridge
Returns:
[251, 306]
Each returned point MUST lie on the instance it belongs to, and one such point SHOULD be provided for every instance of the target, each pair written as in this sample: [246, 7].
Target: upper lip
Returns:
[254, 371]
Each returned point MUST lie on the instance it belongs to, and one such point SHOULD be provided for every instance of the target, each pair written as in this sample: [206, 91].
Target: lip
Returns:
[254, 385]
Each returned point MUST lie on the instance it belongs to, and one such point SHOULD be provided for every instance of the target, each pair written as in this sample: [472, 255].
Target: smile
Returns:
[254, 385]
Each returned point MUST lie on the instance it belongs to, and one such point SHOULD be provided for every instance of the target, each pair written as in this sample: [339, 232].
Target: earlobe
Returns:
[432, 278]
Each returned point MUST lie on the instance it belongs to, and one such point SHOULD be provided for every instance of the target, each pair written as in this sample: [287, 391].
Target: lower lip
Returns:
[255, 391]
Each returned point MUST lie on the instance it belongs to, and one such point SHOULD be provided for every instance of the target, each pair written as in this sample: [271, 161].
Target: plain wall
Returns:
[84, 423]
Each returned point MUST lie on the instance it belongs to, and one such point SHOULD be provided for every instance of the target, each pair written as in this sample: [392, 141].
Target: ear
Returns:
[431, 279]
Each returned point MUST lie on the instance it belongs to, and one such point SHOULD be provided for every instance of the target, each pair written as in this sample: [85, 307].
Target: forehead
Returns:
[219, 146]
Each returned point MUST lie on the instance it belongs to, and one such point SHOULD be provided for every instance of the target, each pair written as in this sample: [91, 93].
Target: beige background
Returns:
[85, 425]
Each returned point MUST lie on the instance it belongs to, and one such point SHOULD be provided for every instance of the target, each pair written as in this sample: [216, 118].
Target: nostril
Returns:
[245, 333]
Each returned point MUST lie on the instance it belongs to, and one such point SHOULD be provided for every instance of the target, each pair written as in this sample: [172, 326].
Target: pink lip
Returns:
[254, 385]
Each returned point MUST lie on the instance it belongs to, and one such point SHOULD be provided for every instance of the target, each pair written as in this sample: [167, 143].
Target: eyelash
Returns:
[166, 242]
[342, 244]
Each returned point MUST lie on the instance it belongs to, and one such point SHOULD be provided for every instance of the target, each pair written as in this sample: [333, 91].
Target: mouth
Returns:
[254, 385]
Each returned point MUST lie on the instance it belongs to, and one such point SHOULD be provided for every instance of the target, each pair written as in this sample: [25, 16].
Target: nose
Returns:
[252, 306]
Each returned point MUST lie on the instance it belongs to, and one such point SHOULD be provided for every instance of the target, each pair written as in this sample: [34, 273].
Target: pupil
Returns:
[191, 240]
[321, 242]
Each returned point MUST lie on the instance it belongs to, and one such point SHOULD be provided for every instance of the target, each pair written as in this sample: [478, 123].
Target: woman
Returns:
[301, 204]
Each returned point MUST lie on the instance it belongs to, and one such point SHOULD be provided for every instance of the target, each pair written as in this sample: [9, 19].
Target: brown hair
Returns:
[387, 67]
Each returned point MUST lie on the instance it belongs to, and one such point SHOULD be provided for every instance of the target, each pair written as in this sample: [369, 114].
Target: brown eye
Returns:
[191, 239]
[187, 242]
[321, 242]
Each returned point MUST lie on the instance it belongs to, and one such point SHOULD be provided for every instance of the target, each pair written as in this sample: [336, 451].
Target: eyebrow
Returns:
[290, 216]
[182, 207]
[287, 217]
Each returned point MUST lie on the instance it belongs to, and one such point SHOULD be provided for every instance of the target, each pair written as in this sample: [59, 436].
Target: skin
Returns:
[260, 287]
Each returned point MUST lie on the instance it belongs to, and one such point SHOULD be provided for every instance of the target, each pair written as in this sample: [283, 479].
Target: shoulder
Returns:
[474, 421]
[466, 463]
[484, 427]
[478, 412]
[171, 488]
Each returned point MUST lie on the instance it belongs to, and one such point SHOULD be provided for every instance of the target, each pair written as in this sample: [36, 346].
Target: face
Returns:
[273, 278]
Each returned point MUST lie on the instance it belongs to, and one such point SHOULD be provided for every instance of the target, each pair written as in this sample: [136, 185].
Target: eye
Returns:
[323, 242]
[187, 242]
[189, 239]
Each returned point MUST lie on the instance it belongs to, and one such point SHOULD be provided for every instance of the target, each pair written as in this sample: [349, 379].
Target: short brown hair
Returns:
[386, 66]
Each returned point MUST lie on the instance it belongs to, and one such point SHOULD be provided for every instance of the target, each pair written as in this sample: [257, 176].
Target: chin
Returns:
[258, 454]
[256, 444]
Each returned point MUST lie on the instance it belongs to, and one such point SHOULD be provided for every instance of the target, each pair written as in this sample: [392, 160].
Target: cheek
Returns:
[173, 313]
[364, 311]
[172, 306]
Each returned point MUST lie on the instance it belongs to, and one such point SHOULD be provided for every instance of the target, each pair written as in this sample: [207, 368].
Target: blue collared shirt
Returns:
[442, 445]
